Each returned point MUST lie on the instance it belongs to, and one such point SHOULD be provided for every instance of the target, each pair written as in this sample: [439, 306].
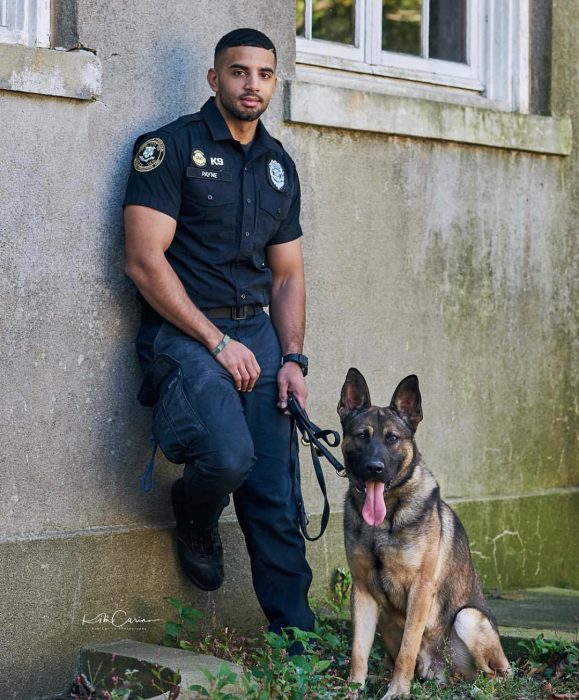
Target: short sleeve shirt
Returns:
[229, 205]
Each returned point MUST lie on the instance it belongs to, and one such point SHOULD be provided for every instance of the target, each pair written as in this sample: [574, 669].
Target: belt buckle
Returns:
[239, 316]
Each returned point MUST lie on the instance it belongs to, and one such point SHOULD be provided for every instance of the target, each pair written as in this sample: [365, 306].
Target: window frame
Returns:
[35, 32]
[497, 51]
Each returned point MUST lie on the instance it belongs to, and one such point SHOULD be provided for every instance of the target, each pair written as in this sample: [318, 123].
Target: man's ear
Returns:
[212, 79]
[355, 394]
[407, 402]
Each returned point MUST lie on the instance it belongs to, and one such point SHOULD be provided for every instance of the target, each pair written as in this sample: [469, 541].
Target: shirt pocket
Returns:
[273, 209]
[210, 208]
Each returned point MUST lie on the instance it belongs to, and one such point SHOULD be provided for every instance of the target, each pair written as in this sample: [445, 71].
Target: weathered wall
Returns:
[454, 262]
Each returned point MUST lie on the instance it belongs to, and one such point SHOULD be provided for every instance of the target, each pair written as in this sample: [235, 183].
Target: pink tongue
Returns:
[374, 510]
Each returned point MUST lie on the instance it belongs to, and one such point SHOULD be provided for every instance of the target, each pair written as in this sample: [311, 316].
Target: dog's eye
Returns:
[363, 436]
[391, 439]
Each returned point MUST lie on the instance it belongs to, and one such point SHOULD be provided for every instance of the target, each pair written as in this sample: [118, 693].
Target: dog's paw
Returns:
[361, 681]
[398, 689]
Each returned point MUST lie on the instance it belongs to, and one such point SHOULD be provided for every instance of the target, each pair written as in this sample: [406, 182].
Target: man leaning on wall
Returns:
[212, 237]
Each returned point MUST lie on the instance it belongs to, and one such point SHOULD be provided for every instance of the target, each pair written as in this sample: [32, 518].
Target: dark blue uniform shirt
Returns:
[229, 205]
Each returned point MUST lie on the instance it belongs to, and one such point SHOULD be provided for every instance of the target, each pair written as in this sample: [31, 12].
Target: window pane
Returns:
[334, 20]
[401, 26]
[300, 17]
[447, 31]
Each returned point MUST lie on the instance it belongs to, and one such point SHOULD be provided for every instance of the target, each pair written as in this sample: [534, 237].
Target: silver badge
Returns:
[276, 174]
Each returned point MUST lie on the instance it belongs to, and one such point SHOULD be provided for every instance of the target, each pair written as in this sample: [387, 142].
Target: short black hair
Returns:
[244, 37]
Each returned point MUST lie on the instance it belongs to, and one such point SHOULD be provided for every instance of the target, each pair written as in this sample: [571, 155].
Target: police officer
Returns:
[212, 237]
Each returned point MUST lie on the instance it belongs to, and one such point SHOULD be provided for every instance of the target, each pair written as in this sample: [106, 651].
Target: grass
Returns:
[546, 669]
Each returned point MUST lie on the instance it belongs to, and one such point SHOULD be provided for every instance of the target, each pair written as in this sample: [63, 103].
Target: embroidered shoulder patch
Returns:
[149, 156]
[276, 174]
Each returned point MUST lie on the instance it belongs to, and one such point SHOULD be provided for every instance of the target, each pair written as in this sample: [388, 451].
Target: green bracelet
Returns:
[218, 348]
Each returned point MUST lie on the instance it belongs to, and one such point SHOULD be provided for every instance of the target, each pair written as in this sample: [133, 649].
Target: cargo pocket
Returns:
[175, 424]
[153, 378]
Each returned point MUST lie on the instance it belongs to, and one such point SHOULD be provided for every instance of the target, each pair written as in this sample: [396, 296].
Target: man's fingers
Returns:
[256, 371]
[241, 364]
[236, 374]
[282, 394]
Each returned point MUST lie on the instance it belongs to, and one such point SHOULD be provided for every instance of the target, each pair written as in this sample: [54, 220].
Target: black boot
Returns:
[199, 548]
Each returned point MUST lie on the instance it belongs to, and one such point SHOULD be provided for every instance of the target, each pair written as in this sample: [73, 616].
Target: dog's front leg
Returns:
[364, 619]
[420, 599]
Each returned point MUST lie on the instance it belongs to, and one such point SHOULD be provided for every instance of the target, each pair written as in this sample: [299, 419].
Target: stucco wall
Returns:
[455, 262]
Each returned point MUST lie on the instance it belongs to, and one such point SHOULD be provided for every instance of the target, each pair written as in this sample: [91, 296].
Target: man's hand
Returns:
[291, 378]
[241, 364]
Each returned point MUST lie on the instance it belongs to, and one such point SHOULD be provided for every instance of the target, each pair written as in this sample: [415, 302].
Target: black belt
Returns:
[311, 435]
[237, 313]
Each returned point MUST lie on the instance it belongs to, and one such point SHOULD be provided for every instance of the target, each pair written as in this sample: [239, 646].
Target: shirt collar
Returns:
[220, 131]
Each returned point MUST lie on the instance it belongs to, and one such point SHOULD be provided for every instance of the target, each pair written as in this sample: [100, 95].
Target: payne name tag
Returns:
[204, 174]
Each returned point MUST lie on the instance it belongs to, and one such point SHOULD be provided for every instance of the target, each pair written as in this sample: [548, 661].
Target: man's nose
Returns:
[252, 82]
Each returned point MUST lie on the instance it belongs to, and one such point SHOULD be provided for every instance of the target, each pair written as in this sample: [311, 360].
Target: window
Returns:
[25, 22]
[474, 47]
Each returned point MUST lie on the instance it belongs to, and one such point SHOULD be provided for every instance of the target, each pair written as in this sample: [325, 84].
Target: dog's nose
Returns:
[374, 468]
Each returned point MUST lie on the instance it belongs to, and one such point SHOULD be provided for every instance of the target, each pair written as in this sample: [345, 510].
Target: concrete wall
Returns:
[455, 262]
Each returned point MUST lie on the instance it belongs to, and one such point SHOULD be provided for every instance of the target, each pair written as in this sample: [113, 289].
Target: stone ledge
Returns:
[75, 74]
[362, 110]
[172, 663]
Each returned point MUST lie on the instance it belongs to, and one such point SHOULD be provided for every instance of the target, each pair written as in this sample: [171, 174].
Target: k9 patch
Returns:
[149, 156]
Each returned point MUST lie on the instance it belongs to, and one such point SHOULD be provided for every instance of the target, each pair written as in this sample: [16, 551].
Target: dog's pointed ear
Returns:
[407, 402]
[355, 394]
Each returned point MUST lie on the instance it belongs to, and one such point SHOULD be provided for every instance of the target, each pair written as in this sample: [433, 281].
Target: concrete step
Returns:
[174, 665]
[552, 612]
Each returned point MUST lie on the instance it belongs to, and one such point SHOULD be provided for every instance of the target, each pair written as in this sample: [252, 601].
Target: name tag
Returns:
[203, 174]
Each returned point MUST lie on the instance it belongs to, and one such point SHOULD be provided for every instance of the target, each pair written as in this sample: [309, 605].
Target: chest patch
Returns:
[276, 174]
[149, 156]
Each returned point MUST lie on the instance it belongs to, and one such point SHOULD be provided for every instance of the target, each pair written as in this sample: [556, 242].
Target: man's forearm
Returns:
[160, 286]
[288, 312]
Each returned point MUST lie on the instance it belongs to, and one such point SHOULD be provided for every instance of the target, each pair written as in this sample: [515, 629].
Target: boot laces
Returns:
[205, 540]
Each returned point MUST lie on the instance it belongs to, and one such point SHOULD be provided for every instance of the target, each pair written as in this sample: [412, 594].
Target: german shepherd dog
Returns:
[412, 573]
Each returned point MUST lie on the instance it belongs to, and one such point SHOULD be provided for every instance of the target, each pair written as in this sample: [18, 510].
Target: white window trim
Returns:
[498, 56]
[344, 51]
[36, 25]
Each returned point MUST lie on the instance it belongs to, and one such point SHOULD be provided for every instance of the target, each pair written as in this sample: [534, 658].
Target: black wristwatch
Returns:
[301, 360]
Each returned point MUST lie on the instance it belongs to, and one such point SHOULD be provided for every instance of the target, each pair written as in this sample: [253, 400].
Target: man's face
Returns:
[244, 81]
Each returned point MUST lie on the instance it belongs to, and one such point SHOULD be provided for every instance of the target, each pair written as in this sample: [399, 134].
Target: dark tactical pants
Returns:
[233, 442]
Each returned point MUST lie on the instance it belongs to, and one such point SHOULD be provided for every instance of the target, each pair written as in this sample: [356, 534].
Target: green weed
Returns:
[270, 672]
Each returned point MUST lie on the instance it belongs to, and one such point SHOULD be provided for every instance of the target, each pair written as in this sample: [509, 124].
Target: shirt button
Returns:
[247, 234]
[248, 200]
[279, 210]
[243, 296]
[209, 196]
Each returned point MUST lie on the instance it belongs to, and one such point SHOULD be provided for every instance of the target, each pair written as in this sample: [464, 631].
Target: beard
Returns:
[246, 114]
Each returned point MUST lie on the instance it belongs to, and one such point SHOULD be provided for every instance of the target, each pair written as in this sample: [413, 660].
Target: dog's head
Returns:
[378, 444]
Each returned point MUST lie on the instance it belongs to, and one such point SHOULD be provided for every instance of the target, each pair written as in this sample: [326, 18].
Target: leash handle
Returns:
[312, 435]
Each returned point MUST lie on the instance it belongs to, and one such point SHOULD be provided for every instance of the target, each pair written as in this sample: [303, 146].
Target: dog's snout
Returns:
[375, 467]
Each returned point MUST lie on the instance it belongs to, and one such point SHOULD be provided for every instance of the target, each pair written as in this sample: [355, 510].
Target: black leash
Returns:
[312, 436]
